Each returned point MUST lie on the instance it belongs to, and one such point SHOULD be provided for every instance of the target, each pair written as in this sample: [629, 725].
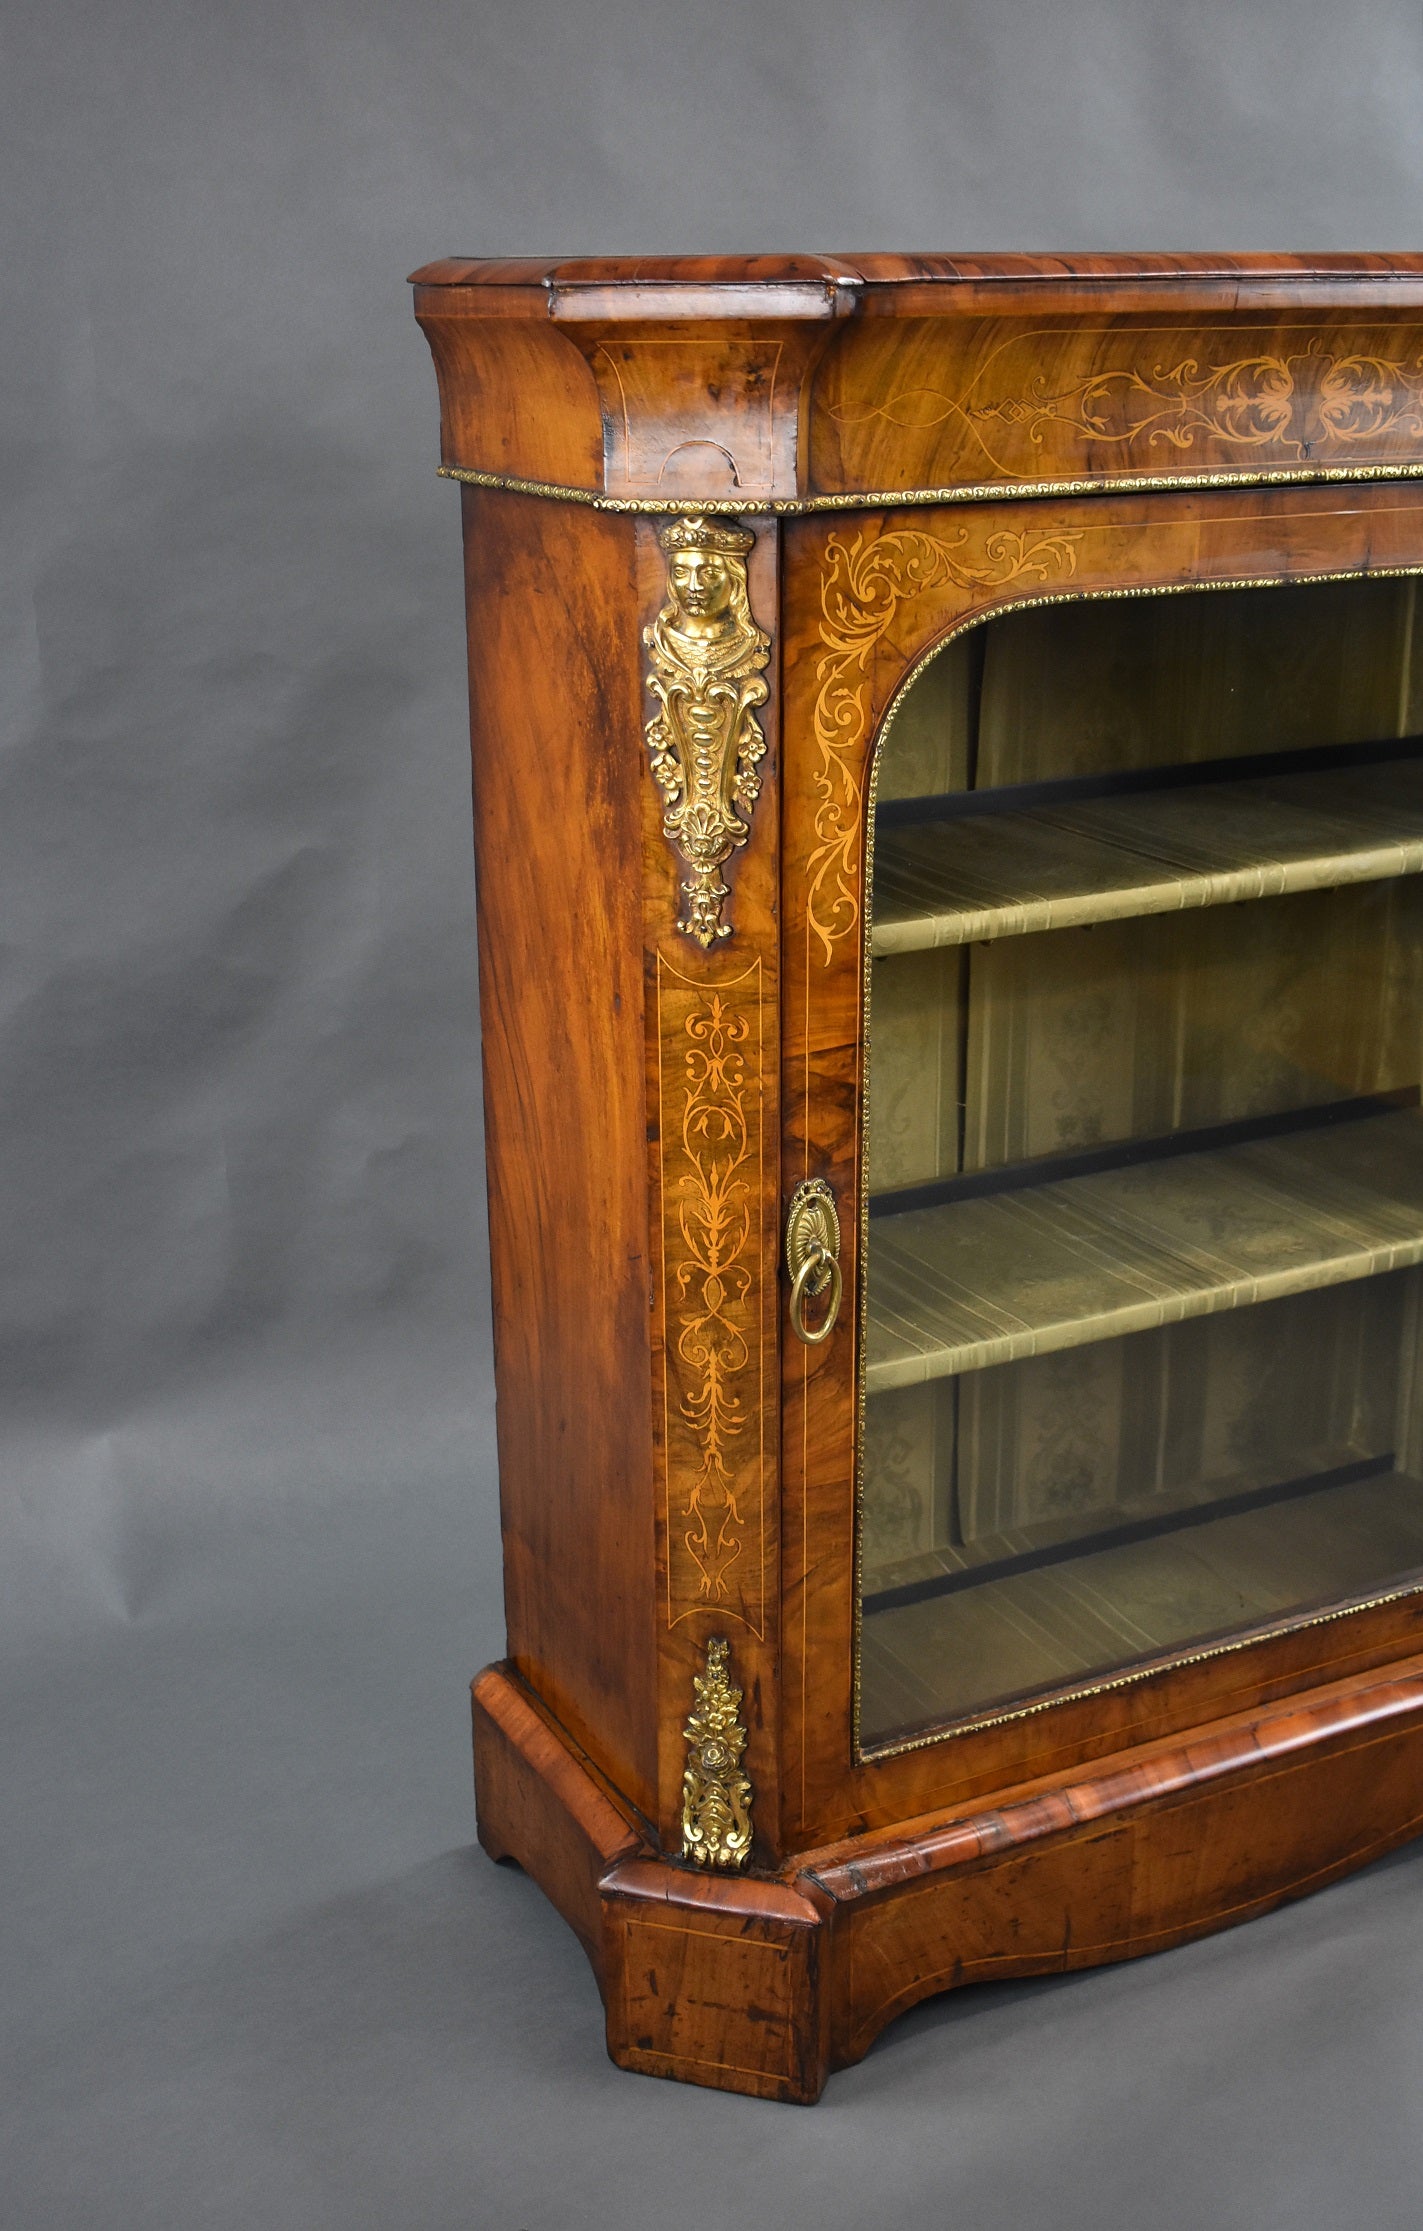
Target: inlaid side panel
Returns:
[710, 825]
[715, 1217]
[863, 605]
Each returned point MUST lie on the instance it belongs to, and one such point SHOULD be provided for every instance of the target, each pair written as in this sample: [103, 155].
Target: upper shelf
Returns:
[1003, 874]
[991, 1280]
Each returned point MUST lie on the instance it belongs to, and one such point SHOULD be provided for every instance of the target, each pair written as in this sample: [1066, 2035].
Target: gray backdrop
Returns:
[256, 1974]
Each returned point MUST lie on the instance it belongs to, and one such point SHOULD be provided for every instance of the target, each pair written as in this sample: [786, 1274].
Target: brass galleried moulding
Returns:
[931, 492]
[707, 657]
[716, 1789]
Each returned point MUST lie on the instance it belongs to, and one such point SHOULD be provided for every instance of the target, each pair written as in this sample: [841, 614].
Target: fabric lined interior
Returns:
[1118, 1414]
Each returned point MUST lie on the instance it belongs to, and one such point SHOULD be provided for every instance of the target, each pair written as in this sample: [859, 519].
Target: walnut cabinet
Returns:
[948, 781]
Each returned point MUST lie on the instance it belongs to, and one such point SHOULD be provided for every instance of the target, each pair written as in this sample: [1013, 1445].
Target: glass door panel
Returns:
[1145, 1235]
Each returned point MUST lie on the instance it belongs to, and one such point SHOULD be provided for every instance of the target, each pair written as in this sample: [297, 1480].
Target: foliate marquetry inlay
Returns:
[867, 578]
[1289, 403]
[707, 659]
[716, 1789]
[1156, 395]
[710, 1095]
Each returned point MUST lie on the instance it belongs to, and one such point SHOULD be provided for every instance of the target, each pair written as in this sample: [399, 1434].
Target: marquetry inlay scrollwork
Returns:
[716, 1789]
[707, 659]
[711, 1186]
[866, 580]
[1287, 403]
[1160, 402]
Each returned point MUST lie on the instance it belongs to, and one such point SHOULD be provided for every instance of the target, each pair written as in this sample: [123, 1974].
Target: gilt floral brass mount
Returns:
[716, 1789]
[813, 1257]
[707, 657]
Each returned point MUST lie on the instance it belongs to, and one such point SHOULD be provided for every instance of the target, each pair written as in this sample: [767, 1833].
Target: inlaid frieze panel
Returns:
[938, 404]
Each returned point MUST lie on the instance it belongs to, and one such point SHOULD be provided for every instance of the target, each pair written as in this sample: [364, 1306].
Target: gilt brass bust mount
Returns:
[708, 660]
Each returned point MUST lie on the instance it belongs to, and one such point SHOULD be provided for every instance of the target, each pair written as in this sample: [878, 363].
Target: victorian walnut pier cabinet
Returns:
[953, 1029]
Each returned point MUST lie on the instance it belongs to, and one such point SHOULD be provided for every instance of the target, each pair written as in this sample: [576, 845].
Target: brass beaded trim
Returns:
[750, 505]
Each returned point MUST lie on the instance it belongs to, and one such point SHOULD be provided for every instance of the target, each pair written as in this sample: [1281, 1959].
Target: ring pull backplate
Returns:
[813, 1257]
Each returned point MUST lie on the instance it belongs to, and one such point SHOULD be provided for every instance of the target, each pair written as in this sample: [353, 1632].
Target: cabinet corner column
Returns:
[709, 596]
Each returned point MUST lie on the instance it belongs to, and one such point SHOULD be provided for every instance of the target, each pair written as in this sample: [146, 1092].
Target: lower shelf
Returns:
[965, 1648]
[1022, 1273]
[765, 1982]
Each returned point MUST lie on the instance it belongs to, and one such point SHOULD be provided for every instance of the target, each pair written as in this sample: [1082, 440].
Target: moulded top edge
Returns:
[808, 286]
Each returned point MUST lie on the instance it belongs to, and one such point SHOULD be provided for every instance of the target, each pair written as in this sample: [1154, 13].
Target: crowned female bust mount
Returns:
[707, 657]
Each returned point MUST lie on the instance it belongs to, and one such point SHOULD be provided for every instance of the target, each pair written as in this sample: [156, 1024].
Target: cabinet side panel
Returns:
[556, 734]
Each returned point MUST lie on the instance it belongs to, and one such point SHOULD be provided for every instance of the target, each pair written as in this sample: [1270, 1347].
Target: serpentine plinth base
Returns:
[764, 1983]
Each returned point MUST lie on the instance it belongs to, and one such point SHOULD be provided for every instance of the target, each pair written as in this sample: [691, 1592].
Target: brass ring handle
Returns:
[813, 1257]
[809, 1270]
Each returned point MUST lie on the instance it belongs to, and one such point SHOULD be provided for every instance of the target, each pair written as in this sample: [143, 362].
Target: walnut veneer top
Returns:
[887, 285]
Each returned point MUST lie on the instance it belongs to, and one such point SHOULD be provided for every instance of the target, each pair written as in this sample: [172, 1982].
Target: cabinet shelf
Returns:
[1003, 874]
[946, 1655]
[1020, 1273]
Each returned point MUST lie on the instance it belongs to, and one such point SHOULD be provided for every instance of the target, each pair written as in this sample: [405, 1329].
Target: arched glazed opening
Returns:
[1143, 1316]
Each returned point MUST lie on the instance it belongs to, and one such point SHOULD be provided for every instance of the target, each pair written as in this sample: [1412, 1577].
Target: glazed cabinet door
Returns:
[1103, 1026]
